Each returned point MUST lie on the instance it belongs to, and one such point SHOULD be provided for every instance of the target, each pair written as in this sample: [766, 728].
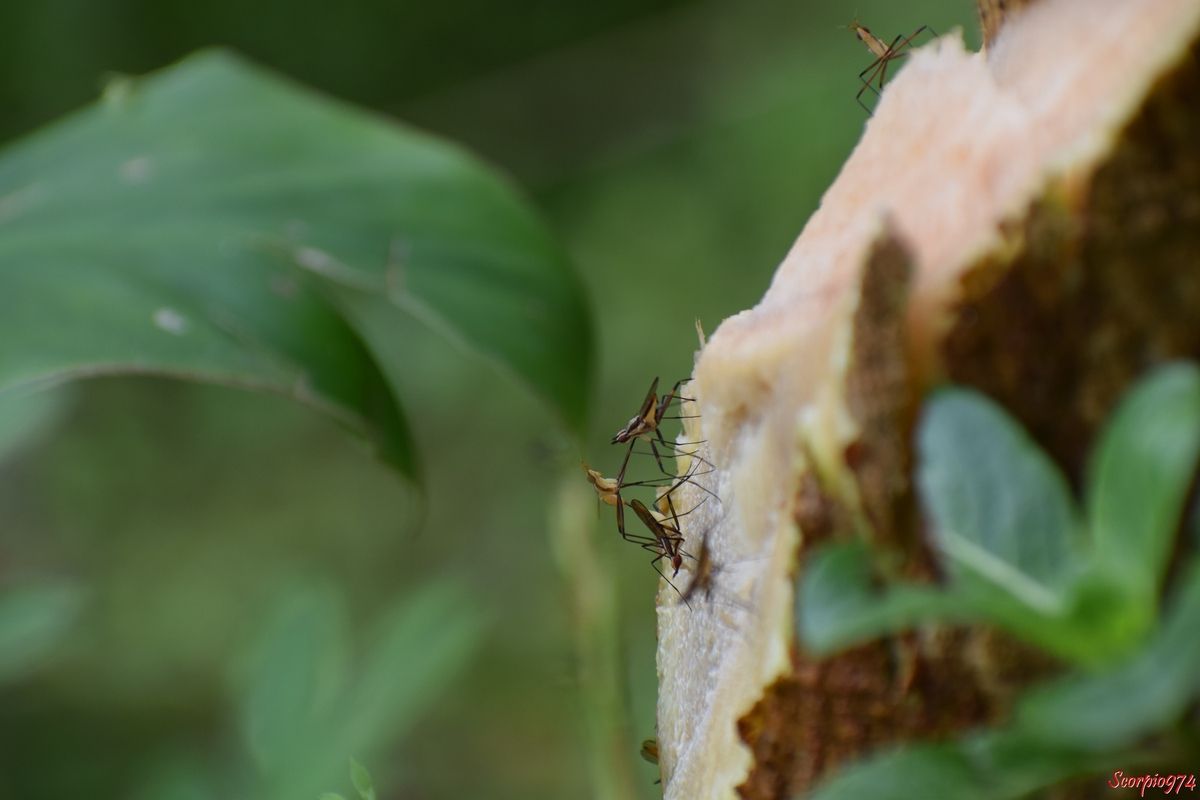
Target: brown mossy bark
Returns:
[993, 13]
[1098, 282]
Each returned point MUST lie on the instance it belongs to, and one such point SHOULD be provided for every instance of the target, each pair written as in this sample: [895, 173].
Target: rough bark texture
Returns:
[993, 13]
[1025, 221]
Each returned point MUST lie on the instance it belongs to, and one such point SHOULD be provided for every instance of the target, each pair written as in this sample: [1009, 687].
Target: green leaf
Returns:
[295, 671]
[26, 417]
[361, 780]
[35, 619]
[1079, 725]
[1124, 704]
[211, 221]
[919, 771]
[177, 775]
[1140, 476]
[417, 648]
[837, 607]
[1002, 512]
[1000, 765]
[414, 651]
[331, 796]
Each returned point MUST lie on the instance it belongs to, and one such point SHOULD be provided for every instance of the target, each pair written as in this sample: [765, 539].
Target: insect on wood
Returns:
[649, 752]
[666, 542]
[646, 424]
[608, 490]
[876, 72]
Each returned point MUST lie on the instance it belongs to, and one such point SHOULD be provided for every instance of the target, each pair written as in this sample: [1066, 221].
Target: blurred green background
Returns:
[677, 148]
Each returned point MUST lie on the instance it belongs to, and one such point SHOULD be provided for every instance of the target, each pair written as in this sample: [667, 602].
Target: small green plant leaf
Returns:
[413, 652]
[837, 607]
[1002, 512]
[361, 779]
[1120, 706]
[294, 672]
[920, 771]
[1091, 611]
[1140, 476]
[995, 765]
[215, 222]
[1076, 726]
[35, 618]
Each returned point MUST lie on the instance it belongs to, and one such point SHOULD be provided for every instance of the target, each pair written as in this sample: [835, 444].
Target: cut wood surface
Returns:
[1026, 221]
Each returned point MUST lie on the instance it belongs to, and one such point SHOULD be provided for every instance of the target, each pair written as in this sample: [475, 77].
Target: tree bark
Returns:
[1025, 221]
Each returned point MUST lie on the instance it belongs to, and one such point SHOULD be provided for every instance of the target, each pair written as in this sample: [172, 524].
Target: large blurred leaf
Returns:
[206, 222]
[26, 416]
[1002, 512]
[1140, 477]
[35, 618]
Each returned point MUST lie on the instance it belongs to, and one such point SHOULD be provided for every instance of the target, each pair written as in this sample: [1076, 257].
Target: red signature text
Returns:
[1167, 784]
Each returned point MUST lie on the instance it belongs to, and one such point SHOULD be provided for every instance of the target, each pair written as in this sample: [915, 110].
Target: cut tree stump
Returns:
[1025, 221]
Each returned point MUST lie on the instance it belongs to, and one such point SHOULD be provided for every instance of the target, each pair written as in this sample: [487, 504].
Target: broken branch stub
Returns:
[1036, 237]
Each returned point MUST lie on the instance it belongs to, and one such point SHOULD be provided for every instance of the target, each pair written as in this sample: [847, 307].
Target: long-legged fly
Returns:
[649, 752]
[608, 490]
[876, 72]
[666, 542]
[646, 424]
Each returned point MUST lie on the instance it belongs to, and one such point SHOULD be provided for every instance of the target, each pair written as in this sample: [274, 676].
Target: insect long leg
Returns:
[668, 398]
[671, 512]
[665, 497]
[689, 477]
[870, 68]
[691, 454]
[625, 464]
[681, 514]
[659, 556]
[892, 54]
[880, 67]
[877, 69]
[678, 446]
[858, 97]
[657, 457]
[875, 73]
[678, 450]
[897, 48]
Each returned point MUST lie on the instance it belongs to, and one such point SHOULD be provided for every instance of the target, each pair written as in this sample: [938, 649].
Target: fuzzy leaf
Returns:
[1002, 512]
[1140, 477]
[213, 222]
